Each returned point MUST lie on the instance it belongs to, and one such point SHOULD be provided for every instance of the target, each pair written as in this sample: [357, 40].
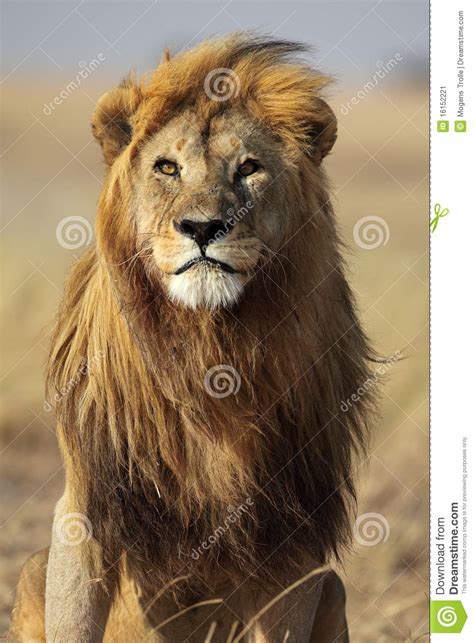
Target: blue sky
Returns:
[349, 36]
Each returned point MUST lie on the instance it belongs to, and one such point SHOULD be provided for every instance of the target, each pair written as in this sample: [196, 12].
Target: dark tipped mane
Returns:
[274, 50]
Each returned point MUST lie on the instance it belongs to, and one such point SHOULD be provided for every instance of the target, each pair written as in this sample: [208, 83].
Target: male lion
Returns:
[208, 463]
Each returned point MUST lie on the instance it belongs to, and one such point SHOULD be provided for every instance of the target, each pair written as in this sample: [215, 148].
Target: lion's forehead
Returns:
[226, 137]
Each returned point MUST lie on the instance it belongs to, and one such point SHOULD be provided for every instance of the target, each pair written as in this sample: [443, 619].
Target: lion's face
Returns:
[201, 189]
[209, 200]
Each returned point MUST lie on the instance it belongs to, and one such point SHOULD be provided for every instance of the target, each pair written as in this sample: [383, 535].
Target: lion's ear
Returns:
[322, 130]
[112, 123]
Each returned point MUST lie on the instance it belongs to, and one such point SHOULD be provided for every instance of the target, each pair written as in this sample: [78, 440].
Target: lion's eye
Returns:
[248, 167]
[167, 167]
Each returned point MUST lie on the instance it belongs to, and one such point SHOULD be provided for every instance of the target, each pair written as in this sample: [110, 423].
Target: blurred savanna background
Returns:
[52, 169]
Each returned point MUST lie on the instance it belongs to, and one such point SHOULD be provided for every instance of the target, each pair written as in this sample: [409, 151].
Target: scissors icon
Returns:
[438, 215]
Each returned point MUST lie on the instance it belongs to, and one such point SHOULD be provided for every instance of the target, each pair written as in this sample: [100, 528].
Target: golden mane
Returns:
[158, 462]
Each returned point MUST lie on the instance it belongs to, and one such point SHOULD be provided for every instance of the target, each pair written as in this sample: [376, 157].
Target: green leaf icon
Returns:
[447, 617]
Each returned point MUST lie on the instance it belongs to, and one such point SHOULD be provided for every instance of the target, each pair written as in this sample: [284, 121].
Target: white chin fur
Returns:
[205, 287]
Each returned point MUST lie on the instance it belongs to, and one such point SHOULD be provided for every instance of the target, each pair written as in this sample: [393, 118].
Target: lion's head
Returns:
[210, 155]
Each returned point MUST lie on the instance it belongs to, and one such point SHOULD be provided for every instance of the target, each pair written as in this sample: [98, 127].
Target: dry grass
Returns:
[43, 182]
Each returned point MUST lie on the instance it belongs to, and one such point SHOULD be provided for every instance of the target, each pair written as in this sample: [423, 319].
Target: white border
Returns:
[452, 277]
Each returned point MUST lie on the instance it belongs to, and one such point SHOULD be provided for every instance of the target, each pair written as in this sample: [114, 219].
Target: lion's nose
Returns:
[201, 231]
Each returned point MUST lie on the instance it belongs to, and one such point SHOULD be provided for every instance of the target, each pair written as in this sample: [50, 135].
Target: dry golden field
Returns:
[52, 169]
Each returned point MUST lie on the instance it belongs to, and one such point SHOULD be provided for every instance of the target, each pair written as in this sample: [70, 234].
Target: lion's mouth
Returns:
[205, 260]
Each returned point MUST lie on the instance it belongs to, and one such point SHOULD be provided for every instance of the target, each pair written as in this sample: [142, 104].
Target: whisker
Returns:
[265, 277]
[272, 255]
[137, 254]
[275, 253]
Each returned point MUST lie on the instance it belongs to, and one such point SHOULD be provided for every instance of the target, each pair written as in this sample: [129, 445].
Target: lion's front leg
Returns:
[330, 624]
[78, 590]
[284, 615]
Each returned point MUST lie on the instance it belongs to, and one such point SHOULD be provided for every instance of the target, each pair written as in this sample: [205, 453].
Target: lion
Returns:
[209, 467]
